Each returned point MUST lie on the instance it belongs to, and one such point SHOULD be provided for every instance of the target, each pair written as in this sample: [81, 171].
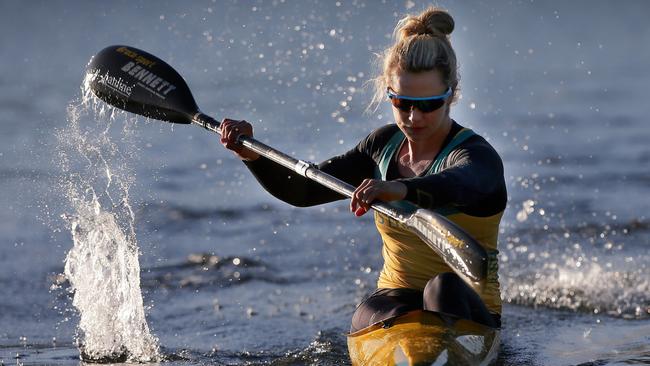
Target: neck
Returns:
[428, 149]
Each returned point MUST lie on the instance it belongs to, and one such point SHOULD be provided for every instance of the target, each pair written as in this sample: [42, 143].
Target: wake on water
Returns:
[103, 267]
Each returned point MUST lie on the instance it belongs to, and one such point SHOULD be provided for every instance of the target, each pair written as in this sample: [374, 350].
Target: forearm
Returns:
[443, 189]
[352, 167]
[289, 186]
[474, 184]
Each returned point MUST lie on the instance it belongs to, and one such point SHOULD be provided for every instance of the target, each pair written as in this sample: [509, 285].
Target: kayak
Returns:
[424, 338]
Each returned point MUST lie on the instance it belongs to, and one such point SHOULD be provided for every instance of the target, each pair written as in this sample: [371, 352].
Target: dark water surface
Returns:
[228, 275]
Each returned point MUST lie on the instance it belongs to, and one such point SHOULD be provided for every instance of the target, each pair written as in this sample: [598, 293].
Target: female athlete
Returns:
[424, 159]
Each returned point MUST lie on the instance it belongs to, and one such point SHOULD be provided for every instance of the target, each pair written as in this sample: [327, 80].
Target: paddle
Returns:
[138, 82]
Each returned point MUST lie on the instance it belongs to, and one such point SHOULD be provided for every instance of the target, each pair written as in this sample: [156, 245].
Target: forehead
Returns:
[417, 84]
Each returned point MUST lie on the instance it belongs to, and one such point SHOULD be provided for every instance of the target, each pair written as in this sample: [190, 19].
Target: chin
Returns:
[416, 135]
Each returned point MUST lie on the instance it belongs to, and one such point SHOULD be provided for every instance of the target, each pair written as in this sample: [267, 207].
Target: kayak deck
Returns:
[424, 338]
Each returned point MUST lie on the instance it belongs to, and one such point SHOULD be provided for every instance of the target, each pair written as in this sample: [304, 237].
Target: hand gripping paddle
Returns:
[138, 82]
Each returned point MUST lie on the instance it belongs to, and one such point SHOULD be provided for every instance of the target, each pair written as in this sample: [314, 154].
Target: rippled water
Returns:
[204, 267]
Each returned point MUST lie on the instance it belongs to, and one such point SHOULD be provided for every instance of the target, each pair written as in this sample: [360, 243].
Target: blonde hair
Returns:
[421, 44]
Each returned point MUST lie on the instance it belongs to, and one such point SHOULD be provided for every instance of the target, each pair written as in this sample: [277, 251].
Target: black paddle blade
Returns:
[141, 83]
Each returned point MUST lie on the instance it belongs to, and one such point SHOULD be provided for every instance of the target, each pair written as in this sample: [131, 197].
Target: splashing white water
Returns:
[103, 267]
[588, 274]
[590, 288]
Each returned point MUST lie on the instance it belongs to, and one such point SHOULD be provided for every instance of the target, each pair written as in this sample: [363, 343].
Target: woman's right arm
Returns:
[285, 184]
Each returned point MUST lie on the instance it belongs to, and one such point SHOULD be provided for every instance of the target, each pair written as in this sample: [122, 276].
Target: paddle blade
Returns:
[141, 83]
[457, 248]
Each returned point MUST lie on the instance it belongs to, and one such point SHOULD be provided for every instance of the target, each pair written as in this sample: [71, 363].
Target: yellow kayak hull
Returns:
[424, 338]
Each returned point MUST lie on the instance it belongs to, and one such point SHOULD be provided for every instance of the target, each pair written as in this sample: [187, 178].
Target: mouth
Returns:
[414, 129]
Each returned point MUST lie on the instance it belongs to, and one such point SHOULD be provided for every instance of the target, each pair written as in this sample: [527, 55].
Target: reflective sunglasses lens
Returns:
[402, 104]
[427, 106]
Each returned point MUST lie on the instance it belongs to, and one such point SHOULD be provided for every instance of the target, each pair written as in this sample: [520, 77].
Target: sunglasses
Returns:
[423, 104]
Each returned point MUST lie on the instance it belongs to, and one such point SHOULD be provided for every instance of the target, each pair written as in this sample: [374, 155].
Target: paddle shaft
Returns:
[309, 171]
[141, 83]
[301, 167]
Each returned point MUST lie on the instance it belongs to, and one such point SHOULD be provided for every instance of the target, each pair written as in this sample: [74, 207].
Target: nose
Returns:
[415, 116]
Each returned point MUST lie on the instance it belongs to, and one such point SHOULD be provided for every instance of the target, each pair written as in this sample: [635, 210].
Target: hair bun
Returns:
[433, 21]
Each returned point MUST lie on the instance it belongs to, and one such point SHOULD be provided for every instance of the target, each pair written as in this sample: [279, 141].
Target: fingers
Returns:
[357, 197]
[363, 196]
[231, 130]
[374, 189]
[360, 212]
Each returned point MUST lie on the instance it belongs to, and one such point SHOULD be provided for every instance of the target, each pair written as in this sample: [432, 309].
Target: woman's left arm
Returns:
[471, 179]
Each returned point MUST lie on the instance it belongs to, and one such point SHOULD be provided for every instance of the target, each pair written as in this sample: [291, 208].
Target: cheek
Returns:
[443, 108]
[440, 113]
[436, 118]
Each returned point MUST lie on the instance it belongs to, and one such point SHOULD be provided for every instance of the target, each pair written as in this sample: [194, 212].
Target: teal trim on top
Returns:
[460, 137]
[393, 145]
[388, 152]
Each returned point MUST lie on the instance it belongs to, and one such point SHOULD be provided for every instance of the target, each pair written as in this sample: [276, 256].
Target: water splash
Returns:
[599, 268]
[590, 288]
[103, 267]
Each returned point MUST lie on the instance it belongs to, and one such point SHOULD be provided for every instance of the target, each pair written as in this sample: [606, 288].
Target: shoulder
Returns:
[374, 143]
[479, 143]
[383, 133]
[476, 148]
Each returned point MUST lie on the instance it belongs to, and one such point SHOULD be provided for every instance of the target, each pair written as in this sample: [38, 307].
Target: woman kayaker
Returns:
[424, 159]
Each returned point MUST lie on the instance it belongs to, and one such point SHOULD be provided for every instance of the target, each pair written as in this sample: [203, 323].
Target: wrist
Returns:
[249, 156]
[401, 190]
